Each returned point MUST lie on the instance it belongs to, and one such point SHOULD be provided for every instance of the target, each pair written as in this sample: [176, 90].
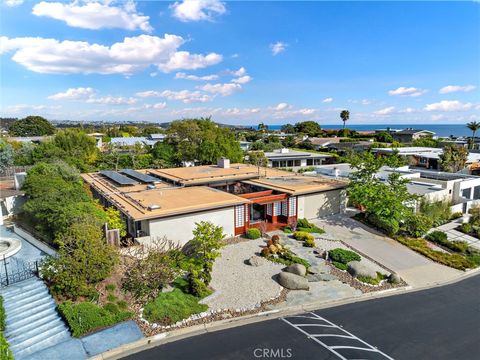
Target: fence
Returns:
[13, 270]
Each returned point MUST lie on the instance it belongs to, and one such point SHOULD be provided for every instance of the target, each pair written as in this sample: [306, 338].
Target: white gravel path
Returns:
[239, 285]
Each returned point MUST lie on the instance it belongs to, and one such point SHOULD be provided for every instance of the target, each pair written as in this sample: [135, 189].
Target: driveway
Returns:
[414, 268]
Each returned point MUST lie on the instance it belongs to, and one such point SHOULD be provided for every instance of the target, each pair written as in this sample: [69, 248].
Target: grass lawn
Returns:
[168, 308]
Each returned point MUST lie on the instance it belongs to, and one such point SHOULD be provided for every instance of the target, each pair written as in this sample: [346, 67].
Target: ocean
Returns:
[439, 130]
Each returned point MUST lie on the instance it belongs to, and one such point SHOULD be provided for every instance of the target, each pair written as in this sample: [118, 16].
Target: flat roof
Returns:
[294, 154]
[196, 175]
[299, 184]
[141, 203]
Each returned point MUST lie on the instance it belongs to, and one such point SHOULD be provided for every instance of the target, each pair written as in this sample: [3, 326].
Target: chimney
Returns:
[284, 151]
[223, 163]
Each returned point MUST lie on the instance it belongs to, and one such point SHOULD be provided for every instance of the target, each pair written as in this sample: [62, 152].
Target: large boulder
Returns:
[356, 269]
[394, 278]
[292, 281]
[256, 260]
[297, 269]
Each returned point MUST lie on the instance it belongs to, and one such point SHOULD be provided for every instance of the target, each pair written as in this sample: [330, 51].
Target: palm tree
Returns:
[474, 126]
[345, 115]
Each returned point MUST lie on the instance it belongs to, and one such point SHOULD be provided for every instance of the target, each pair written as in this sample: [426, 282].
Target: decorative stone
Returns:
[256, 260]
[292, 281]
[320, 277]
[167, 289]
[297, 269]
[394, 278]
[356, 269]
[319, 269]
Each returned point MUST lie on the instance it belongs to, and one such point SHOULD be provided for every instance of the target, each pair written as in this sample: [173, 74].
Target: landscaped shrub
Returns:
[372, 281]
[5, 352]
[2, 315]
[304, 223]
[196, 285]
[168, 308]
[389, 225]
[86, 317]
[340, 265]
[310, 242]
[456, 215]
[287, 230]
[122, 305]
[305, 226]
[438, 211]
[466, 228]
[253, 233]
[275, 239]
[302, 236]
[473, 255]
[417, 225]
[436, 236]
[439, 237]
[343, 256]
[456, 261]
[110, 287]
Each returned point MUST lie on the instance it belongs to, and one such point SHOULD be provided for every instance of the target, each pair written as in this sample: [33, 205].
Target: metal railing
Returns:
[13, 270]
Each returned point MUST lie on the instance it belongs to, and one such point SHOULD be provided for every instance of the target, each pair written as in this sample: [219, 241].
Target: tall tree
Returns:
[31, 126]
[453, 158]
[474, 126]
[288, 129]
[310, 128]
[6, 155]
[345, 115]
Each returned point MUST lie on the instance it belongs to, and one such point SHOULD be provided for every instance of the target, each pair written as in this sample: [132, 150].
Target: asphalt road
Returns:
[439, 323]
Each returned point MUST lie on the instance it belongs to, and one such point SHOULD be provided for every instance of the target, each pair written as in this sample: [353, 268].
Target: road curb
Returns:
[178, 334]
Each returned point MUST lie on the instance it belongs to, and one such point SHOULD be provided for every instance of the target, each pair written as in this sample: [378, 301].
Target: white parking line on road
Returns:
[328, 324]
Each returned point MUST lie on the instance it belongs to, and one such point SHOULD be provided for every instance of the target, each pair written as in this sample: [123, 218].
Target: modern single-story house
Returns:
[409, 135]
[461, 191]
[322, 143]
[425, 157]
[168, 202]
[287, 158]
[149, 140]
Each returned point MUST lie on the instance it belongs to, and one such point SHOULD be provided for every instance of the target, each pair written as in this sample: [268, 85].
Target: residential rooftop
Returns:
[285, 154]
[297, 185]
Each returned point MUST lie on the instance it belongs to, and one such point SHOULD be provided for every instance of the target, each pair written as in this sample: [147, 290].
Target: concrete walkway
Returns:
[455, 235]
[415, 269]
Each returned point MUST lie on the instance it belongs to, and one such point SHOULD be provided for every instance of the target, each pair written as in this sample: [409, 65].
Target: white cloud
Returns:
[186, 96]
[112, 100]
[282, 106]
[153, 74]
[159, 106]
[13, 3]
[131, 55]
[238, 73]
[361, 101]
[181, 75]
[185, 60]
[25, 107]
[437, 117]
[242, 80]
[408, 110]
[406, 91]
[385, 111]
[95, 15]
[456, 88]
[278, 47]
[79, 93]
[327, 100]
[197, 10]
[222, 89]
[448, 105]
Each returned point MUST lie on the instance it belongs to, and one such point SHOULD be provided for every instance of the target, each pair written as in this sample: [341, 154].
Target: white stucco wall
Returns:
[179, 228]
[315, 206]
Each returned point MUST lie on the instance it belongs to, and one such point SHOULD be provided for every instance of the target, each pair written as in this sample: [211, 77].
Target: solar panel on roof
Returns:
[118, 178]
[144, 178]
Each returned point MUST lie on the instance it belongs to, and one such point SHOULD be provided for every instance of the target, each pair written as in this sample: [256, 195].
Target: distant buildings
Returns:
[149, 140]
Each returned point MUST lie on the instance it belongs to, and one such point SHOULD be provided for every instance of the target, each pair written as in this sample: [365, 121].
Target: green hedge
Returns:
[168, 308]
[339, 265]
[253, 233]
[302, 236]
[343, 256]
[5, 353]
[86, 317]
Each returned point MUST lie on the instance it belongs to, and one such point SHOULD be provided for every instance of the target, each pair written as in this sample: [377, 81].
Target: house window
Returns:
[284, 208]
[298, 162]
[309, 161]
[277, 208]
[239, 216]
[269, 209]
[292, 209]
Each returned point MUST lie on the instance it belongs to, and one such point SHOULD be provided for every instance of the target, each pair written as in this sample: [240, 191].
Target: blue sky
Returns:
[241, 62]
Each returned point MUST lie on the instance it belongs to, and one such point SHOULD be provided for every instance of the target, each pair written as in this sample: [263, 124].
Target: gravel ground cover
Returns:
[239, 285]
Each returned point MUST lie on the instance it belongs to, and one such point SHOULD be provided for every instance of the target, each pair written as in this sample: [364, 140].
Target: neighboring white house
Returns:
[461, 191]
[287, 158]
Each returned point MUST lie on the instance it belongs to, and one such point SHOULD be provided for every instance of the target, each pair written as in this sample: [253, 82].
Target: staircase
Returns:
[33, 323]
